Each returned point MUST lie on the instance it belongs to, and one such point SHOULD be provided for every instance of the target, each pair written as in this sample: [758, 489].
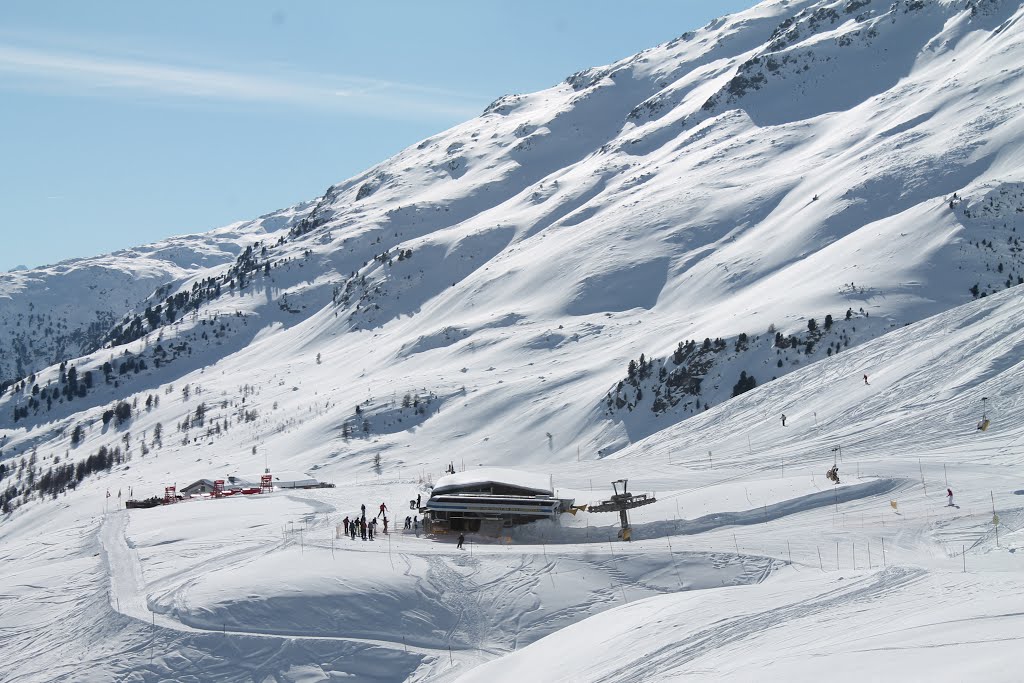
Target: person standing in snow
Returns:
[383, 509]
[345, 522]
[462, 538]
[783, 419]
[385, 525]
[949, 497]
[866, 380]
[362, 508]
[418, 499]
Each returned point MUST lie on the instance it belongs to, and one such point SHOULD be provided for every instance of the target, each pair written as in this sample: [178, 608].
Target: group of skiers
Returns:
[366, 529]
[360, 527]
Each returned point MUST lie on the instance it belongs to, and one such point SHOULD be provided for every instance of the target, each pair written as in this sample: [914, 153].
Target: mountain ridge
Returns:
[606, 193]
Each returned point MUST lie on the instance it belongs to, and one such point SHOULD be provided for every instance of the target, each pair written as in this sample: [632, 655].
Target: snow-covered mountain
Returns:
[791, 162]
[58, 313]
[578, 280]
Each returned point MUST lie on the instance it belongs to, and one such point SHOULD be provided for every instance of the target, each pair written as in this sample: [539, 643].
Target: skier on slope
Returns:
[949, 497]
[383, 509]
[462, 538]
[783, 419]
[345, 522]
[866, 379]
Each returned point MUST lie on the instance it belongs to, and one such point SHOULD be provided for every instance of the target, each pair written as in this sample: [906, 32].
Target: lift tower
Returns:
[621, 502]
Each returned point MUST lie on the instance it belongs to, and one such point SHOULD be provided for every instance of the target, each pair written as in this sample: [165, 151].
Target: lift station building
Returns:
[488, 499]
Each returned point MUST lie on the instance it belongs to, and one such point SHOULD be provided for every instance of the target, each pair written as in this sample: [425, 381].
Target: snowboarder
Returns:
[866, 380]
[383, 509]
[783, 419]
[949, 497]
[462, 538]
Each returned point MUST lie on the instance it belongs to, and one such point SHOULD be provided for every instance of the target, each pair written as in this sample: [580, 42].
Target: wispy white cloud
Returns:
[84, 73]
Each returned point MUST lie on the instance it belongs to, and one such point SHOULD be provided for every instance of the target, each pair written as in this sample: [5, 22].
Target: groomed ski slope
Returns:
[943, 603]
[723, 581]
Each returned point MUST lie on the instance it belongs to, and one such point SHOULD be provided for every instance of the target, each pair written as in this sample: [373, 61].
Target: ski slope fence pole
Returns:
[837, 555]
[853, 552]
[450, 660]
[945, 475]
[869, 554]
[672, 555]
[821, 566]
[995, 520]
[789, 551]
[737, 543]
[964, 553]
[883, 553]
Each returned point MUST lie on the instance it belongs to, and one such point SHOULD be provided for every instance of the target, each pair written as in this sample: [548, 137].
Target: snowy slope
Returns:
[749, 552]
[63, 311]
[478, 298]
[667, 197]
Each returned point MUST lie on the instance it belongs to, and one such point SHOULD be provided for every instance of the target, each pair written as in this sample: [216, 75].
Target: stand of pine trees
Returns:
[59, 478]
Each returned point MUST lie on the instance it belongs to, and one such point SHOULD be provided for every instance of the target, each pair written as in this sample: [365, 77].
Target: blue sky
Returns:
[122, 122]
